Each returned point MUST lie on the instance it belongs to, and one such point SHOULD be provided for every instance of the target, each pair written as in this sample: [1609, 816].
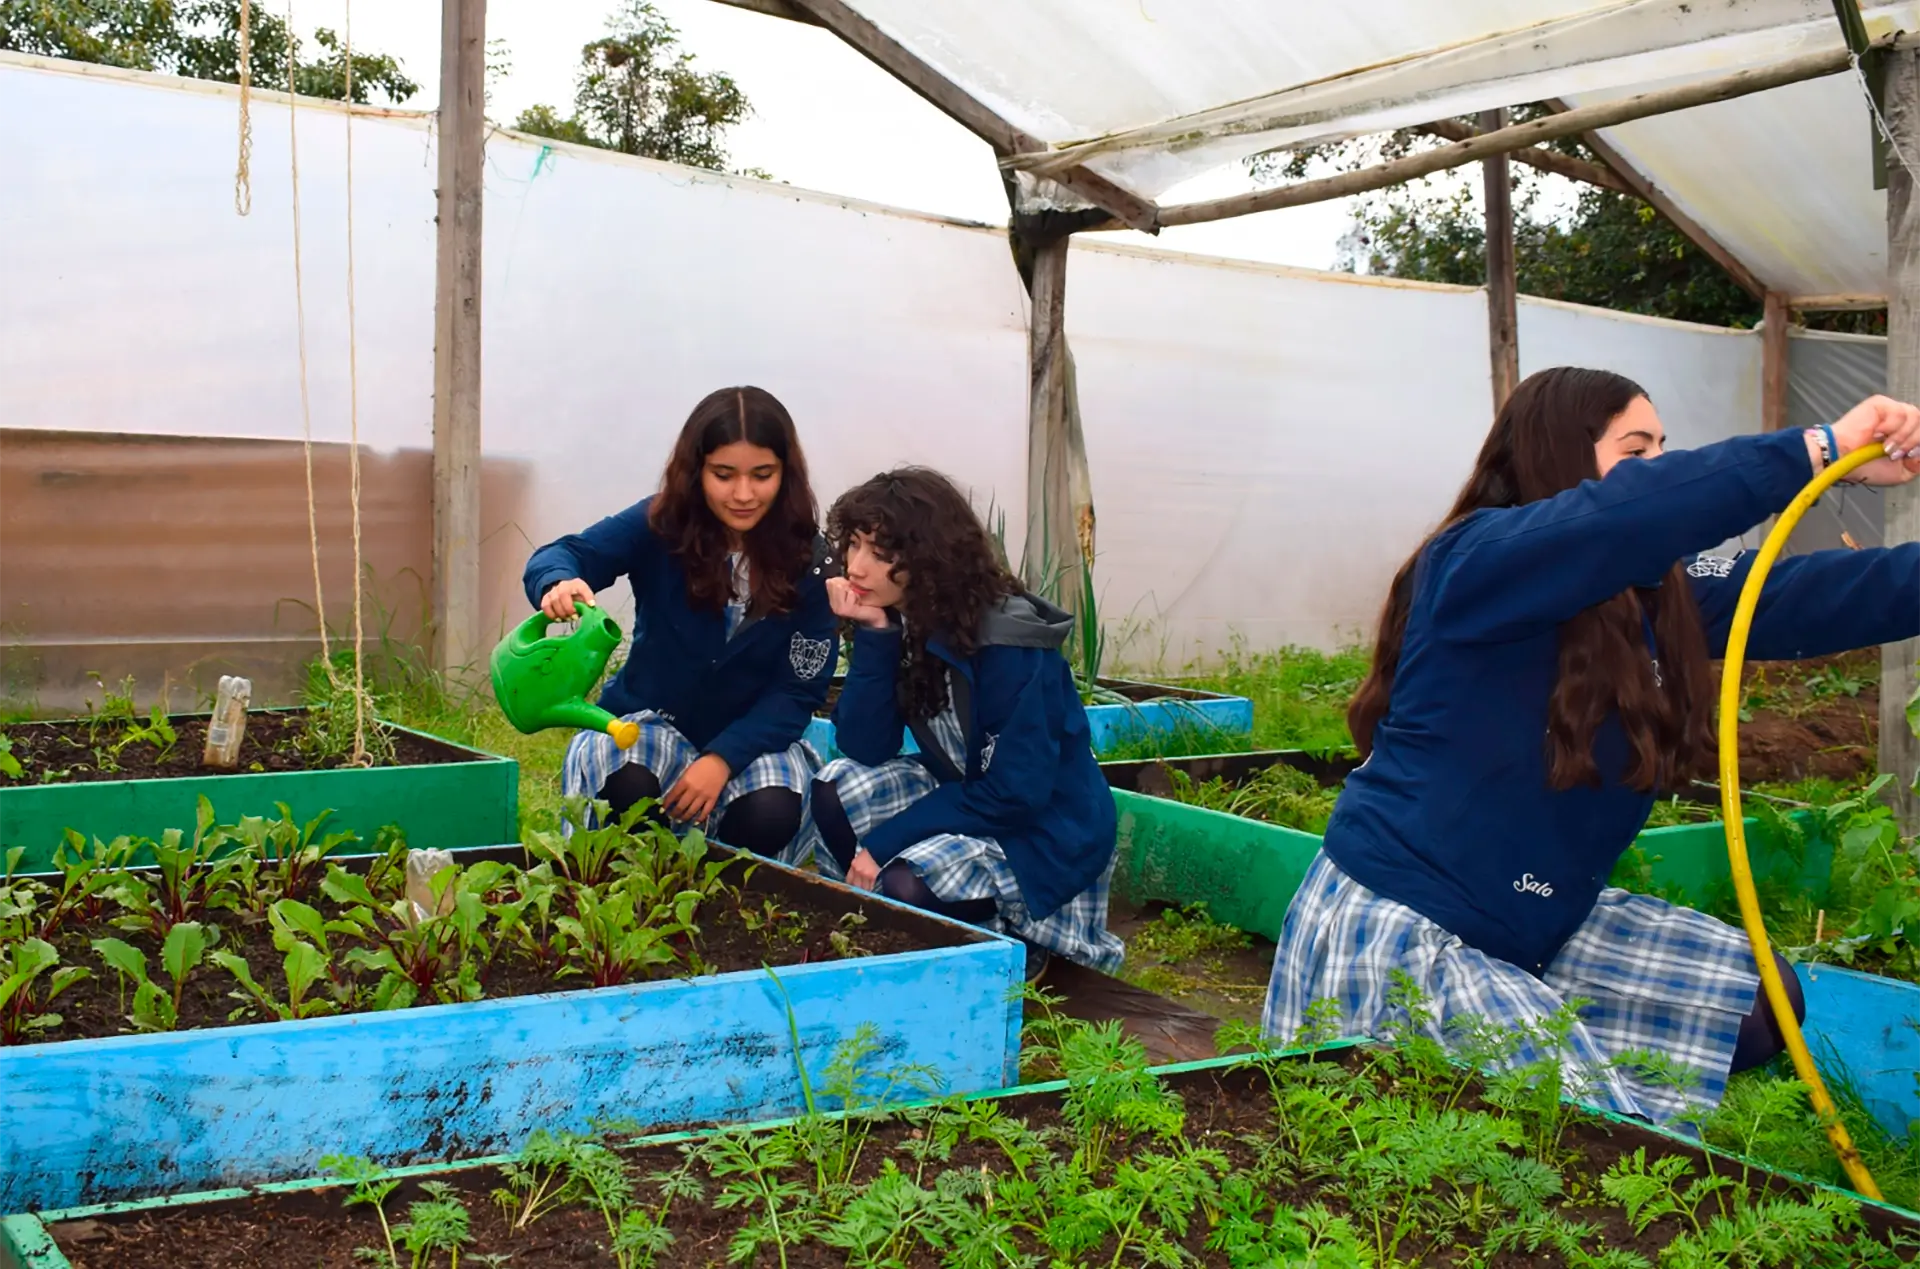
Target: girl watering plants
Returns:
[1542, 669]
[1002, 817]
[734, 643]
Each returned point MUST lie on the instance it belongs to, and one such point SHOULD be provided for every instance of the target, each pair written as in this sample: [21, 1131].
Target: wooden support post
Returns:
[1776, 320]
[1059, 485]
[1899, 750]
[456, 339]
[1503, 301]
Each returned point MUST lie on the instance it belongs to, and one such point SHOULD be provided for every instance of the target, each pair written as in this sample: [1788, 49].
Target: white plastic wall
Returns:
[1267, 444]
[617, 293]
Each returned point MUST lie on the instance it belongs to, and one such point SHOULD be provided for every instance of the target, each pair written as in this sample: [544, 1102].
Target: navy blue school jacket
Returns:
[739, 698]
[1452, 814]
[1031, 781]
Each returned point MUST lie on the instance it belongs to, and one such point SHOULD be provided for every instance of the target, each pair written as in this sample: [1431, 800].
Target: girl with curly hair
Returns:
[734, 642]
[1002, 816]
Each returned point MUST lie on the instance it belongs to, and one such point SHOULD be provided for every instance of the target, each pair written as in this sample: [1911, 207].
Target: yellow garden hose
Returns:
[1736, 827]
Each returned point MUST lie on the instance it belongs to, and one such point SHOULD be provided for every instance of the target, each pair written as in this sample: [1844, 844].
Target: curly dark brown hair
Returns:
[923, 525]
[1542, 444]
[780, 548]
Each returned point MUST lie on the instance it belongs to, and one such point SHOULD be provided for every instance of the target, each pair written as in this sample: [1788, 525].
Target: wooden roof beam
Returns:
[1638, 184]
[1521, 136]
[1545, 160]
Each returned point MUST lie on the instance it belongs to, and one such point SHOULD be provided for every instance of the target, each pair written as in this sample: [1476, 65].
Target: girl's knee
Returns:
[629, 785]
[762, 821]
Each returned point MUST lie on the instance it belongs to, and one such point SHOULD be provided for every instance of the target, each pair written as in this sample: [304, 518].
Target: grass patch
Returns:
[1299, 695]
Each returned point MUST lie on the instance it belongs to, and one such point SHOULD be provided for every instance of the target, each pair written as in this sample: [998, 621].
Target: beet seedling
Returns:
[156, 1008]
[24, 1007]
[304, 967]
[185, 881]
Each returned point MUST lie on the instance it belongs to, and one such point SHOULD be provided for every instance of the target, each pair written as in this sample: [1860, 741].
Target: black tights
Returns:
[1760, 1039]
[897, 881]
[763, 821]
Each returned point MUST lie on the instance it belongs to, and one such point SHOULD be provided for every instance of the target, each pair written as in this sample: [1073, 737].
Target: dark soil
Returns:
[78, 752]
[1810, 719]
[315, 1228]
[803, 933]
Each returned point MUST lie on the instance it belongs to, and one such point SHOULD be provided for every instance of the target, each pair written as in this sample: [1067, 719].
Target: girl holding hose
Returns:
[1542, 669]
[733, 642]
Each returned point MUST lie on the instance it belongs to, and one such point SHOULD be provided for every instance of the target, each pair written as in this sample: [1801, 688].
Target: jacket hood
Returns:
[1025, 621]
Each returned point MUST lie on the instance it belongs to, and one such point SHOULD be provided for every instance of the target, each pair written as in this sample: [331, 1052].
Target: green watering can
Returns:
[542, 682]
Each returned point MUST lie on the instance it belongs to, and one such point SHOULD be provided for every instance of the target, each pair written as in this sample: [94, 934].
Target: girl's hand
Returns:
[1893, 423]
[692, 796]
[865, 874]
[841, 598]
[558, 603]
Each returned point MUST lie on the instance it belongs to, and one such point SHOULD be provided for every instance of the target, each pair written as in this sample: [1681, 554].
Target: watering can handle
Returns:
[534, 628]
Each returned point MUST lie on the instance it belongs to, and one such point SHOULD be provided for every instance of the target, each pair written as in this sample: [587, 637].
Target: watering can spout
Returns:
[542, 682]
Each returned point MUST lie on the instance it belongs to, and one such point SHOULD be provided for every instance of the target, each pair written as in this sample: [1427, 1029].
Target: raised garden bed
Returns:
[1346, 1157]
[1149, 710]
[442, 794]
[1863, 1028]
[685, 1026]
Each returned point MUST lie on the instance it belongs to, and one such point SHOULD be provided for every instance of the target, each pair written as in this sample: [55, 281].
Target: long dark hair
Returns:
[780, 547]
[1542, 444]
[918, 518]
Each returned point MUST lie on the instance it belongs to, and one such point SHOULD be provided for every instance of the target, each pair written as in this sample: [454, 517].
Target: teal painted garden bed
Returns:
[130, 1116]
[467, 798]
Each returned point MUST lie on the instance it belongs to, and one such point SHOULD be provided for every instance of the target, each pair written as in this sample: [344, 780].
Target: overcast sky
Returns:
[824, 117]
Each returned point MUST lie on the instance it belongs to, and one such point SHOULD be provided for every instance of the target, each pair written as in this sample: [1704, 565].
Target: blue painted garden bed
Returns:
[101, 1120]
[1864, 1031]
[1153, 709]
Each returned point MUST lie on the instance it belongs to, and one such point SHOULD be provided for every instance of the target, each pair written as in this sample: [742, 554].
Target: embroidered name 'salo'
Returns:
[1527, 885]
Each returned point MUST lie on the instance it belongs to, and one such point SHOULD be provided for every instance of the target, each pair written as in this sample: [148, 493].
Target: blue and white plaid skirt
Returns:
[959, 868]
[592, 757]
[1658, 978]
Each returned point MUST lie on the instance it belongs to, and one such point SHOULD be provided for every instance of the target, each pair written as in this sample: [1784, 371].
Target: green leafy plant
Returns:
[1280, 794]
[371, 1188]
[440, 954]
[156, 1008]
[10, 765]
[186, 880]
[438, 1222]
[304, 967]
[31, 979]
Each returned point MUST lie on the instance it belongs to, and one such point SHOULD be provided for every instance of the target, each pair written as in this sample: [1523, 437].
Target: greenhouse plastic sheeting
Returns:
[1782, 179]
[617, 292]
[1153, 94]
[1267, 444]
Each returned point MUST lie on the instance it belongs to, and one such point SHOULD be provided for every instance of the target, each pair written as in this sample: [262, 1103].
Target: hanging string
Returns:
[1879, 120]
[353, 418]
[300, 316]
[242, 173]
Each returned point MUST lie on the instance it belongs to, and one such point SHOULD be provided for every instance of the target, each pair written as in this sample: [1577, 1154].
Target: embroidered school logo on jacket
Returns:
[808, 656]
[1712, 566]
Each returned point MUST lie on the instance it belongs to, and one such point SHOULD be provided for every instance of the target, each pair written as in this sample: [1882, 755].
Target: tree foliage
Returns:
[1612, 251]
[638, 92]
[199, 39]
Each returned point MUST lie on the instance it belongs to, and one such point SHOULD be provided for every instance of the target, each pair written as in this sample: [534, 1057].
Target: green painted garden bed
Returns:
[461, 797]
